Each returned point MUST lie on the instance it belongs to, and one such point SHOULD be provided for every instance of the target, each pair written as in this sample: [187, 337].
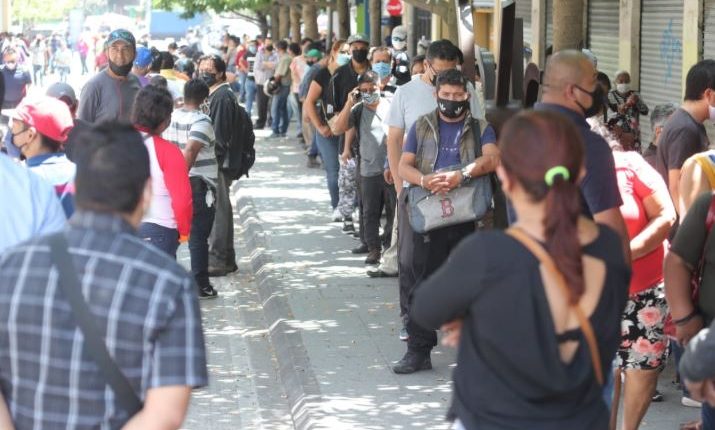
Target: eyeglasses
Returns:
[398, 39]
[20, 132]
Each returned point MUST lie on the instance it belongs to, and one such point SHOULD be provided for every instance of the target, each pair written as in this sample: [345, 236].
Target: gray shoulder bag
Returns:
[468, 202]
[70, 286]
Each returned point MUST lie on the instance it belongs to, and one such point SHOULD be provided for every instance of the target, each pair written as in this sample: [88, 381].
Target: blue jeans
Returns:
[328, 147]
[242, 85]
[707, 414]
[201, 225]
[164, 238]
[250, 95]
[294, 110]
[279, 110]
[313, 151]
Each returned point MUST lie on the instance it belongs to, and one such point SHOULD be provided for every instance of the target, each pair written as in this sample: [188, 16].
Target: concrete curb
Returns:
[294, 368]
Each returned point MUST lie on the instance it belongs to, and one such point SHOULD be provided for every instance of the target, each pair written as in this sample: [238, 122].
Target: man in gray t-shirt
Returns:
[366, 137]
[109, 95]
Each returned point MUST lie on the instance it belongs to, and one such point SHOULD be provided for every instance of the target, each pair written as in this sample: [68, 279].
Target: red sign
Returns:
[394, 7]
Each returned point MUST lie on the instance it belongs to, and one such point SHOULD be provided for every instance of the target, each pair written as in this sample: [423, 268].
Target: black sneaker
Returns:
[207, 292]
[348, 226]
[404, 336]
[412, 362]
[657, 397]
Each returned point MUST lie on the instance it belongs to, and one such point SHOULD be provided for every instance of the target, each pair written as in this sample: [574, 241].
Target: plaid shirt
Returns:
[144, 303]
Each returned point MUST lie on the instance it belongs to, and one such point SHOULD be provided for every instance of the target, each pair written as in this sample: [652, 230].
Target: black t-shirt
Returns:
[509, 371]
[682, 137]
[345, 81]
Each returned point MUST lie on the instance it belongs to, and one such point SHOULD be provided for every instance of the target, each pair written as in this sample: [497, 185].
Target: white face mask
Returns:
[623, 88]
[711, 110]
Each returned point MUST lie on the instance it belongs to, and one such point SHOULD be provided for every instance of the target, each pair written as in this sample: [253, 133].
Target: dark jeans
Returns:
[200, 230]
[424, 255]
[164, 238]
[262, 106]
[708, 416]
[375, 195]
[221, 252]
[279, 110]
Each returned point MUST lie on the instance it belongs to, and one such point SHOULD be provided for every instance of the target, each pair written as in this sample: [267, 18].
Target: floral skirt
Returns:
[644, 345]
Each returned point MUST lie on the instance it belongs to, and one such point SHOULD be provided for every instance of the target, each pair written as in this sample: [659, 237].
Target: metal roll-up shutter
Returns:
[603, 34]
[523, 11]
[709, 48]
[549, 22]
[661, 55]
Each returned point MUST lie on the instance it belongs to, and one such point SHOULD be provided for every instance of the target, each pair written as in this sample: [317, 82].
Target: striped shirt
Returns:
[193, 125]
[145, 307]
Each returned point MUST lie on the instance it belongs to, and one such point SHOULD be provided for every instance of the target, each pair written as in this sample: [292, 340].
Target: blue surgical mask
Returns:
[252, 49]
[382, 69]
[343, 59]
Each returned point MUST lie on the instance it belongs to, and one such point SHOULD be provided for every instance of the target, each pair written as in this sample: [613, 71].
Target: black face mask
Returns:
[120, 70]
[452, 108]
[597, 96]
[209, 78]
[360, 55]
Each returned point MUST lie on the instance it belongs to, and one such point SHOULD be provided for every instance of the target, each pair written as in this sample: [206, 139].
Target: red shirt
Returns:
[637, 180]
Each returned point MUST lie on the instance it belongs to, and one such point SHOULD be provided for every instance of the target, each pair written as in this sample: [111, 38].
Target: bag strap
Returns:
[70, 286]
[548, 263]
[707, 168]
[477, 133]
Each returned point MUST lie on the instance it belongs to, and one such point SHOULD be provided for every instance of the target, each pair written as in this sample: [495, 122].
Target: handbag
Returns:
[69, 284]
[466, 203]
[548, 263]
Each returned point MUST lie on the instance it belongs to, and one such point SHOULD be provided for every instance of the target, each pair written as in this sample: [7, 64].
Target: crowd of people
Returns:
[566, 261]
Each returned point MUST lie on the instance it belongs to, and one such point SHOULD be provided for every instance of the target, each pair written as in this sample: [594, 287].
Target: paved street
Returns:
[301, 338]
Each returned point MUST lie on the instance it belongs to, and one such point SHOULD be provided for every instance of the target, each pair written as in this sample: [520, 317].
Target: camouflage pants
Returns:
[347, 188]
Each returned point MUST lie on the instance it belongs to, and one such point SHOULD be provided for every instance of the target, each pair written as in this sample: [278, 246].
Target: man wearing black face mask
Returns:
[234, 153]
[439, 155]
[571, 88]
[110, 94]
[346, 76]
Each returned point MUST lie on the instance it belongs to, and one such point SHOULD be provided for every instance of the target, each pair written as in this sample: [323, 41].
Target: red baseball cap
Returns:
[50, 116]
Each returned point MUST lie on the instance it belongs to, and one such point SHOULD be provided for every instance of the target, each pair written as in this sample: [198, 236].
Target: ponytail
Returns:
[563, 209]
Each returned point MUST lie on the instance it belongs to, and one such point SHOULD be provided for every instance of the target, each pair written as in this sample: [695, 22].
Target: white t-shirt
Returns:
[160, 211]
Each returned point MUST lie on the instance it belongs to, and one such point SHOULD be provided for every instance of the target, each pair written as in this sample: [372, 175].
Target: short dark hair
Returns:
[217, 61]
[196, 91]
[167, 60]
[282, 45]
[604, 80]
[700, 77]
[112, 168]
[156, 60]
[368, 77]
[451, 77]
[159, 81]
[442, 50]
[172, 45]
[152, 106]
[306, 40]
[294, 48]
[417, 59]
[51, 144]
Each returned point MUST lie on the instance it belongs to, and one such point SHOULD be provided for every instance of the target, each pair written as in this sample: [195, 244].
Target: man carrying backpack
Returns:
[235, 156]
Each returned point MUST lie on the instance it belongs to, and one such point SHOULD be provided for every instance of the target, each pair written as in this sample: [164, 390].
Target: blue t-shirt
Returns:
[449, 135]
[15, 83]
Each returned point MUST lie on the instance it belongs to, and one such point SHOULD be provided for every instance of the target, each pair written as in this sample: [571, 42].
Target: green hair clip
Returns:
[555, 171]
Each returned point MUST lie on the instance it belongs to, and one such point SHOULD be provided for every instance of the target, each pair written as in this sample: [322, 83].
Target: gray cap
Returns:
[358, 37]
[59, 90]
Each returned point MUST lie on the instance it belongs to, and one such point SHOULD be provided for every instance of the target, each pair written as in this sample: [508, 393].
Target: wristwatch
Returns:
[466, 174]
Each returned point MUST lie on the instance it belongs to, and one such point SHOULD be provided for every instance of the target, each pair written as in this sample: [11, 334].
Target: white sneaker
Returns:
[687, 401]
[337, 216]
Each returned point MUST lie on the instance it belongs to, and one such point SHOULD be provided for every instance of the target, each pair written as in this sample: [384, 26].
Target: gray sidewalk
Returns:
[302, 338]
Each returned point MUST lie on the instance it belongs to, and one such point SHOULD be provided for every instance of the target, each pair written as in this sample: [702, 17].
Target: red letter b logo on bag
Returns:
[447, 208]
